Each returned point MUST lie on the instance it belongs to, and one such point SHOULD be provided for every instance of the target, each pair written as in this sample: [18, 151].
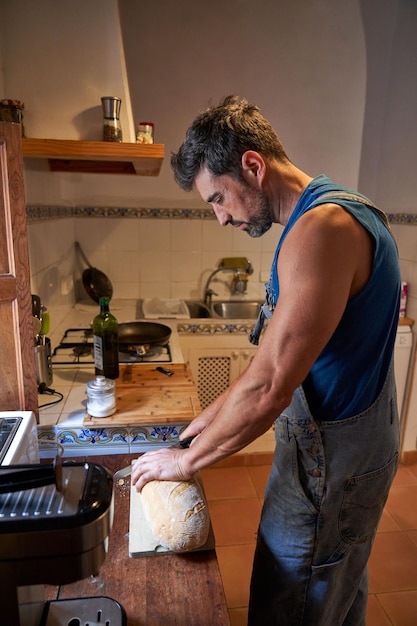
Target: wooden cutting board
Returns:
[140, 375]
[144, 396]
[141, 540]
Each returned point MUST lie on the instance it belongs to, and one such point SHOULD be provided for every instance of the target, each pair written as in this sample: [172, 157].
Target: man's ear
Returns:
[253, 168]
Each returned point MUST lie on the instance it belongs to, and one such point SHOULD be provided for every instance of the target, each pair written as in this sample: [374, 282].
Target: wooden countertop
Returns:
[164, 590]
[145, 395]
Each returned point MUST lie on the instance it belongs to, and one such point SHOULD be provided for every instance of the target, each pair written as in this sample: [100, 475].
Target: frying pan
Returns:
[95, 282]
[140, 337]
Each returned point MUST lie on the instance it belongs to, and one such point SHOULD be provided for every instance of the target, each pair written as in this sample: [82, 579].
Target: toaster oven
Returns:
[18, 438]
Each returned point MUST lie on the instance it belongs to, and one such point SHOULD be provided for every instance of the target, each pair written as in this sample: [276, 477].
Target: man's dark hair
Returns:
[219, 137]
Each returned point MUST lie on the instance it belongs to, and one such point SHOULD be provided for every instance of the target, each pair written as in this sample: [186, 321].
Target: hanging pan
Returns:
[95, 282]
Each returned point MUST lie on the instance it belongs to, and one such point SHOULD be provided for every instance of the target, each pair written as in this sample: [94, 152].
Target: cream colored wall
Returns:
[61, 57]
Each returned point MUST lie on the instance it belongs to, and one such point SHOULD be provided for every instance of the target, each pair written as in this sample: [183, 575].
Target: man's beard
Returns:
[262, 222]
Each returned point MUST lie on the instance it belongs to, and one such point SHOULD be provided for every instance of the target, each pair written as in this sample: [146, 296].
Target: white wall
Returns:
[292, 58]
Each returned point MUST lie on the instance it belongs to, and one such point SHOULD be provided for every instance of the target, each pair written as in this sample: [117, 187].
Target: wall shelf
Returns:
[99, 157]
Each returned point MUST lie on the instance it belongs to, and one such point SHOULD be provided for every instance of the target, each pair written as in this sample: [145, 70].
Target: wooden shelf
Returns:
[103, 157]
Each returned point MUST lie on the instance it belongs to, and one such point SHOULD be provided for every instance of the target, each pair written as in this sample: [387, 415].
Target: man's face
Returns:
[235, 202]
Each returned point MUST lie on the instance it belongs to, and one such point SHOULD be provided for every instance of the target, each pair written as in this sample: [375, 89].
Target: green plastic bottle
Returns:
[106, 344]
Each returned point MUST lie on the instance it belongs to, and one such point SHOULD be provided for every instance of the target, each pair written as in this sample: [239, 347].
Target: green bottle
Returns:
[106, 345]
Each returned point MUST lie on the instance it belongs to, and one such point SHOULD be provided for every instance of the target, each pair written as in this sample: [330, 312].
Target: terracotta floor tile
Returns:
[412, 469]
[412, 535]
[238, 617]
[401, 505]
[235, 521]
[235, 494]
[387, 523]
[405, 476]
[227, 482]
[401, 607]
[235, 564]
[393, 563]
[236, 460]
[260, 458]
[259, 475]
[375, 614]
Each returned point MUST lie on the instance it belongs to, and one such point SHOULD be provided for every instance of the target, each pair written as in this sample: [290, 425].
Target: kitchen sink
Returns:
[226, 309]
[237, 309]
[197, 309]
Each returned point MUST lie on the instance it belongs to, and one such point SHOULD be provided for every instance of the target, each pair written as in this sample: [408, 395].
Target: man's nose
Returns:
[223, 217]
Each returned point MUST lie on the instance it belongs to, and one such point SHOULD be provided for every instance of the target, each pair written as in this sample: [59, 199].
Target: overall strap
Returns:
[268, 307]
[348, 195]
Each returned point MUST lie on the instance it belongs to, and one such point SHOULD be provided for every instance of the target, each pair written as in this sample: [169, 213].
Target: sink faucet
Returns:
[239, 282]
[241, 268]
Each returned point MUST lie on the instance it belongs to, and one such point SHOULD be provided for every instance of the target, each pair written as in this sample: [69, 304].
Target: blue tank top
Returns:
[349, 373]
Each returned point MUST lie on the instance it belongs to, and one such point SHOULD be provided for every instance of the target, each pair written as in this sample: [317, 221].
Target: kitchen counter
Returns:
[62, 414]
[66, 422]
[162, 590]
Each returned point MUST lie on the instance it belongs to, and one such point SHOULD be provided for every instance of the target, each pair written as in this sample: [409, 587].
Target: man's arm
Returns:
[325, 260]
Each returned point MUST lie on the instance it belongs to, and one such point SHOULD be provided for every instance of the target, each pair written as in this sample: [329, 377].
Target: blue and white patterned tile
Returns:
[144, 438]
[81, 441]
[47, 441]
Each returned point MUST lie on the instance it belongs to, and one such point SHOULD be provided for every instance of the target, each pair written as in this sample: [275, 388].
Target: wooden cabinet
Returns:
[18, 388]
[215, 362]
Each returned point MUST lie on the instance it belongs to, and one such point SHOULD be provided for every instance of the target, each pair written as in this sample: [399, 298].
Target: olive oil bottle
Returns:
[106, 345]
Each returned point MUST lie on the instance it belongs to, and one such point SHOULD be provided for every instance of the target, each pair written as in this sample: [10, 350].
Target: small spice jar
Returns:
[12, 111]
[101, 397]
[145, 132]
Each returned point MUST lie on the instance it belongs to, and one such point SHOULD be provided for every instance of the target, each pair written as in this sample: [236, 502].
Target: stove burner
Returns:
[82, 350]
[76, 348]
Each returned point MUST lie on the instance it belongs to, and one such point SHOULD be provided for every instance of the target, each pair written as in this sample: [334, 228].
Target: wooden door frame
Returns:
[18, 386]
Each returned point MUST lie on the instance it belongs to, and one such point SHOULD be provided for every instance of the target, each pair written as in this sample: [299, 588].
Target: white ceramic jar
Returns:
[101, 397]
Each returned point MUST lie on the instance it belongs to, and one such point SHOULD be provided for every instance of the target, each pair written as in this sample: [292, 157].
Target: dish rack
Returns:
[165, 309]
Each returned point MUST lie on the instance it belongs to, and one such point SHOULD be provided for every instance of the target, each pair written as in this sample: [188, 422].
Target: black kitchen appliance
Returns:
[55, 534]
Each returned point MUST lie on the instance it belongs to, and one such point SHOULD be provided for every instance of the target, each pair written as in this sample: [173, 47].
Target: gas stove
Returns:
[76, 348]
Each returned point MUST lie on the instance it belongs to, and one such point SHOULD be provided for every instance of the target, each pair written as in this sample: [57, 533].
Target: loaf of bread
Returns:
[176, 513]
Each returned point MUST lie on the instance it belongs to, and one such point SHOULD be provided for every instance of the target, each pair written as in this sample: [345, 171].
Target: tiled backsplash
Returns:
[145, 253]
[165, 253]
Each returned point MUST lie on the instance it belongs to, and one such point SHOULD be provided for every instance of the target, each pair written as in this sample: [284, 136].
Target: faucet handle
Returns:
[239, 282]
[249, 268]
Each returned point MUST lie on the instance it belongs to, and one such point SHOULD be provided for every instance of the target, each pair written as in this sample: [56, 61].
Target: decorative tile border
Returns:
[97, 437]
[214, 328]
[402, 218]
[162, 434]
[115, 440]
[36, 213]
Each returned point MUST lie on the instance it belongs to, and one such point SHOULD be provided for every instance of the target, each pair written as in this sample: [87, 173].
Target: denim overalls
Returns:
[327, 489]
[323, 501]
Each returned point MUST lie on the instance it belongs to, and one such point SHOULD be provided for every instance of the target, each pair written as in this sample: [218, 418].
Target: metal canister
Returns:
[101, 397]
[112, 130]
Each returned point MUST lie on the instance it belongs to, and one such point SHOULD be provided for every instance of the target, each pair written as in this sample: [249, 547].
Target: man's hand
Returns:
[164, 464]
